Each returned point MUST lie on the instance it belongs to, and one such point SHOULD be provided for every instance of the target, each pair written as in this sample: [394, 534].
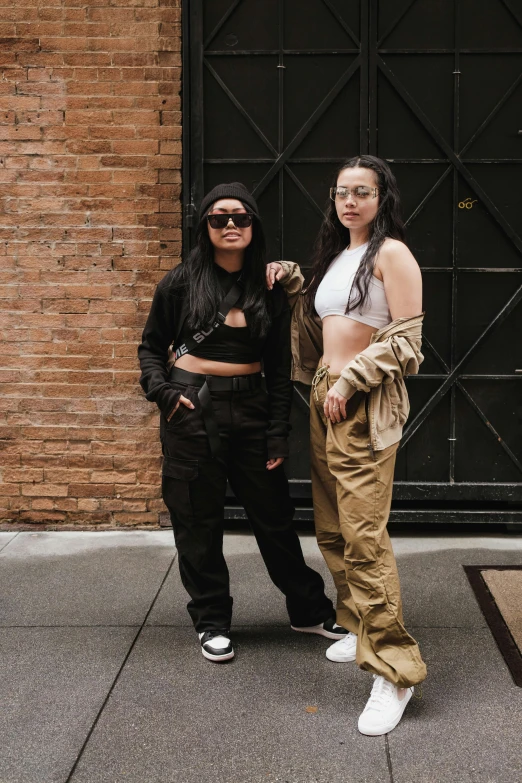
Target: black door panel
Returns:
[277, 94]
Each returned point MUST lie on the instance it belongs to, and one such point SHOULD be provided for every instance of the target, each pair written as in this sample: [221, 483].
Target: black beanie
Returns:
[230, 190]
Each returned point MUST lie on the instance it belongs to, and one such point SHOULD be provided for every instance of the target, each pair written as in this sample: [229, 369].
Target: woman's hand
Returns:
[335, 406]
[274, 271]
[182, 401]
[274, 463]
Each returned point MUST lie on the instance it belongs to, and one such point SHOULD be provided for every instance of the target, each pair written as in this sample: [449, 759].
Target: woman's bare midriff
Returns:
[343, 339]
[208, 367]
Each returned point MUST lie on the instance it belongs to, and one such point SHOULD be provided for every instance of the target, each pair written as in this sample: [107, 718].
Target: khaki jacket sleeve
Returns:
[292, 282]
[382, 362]
[307, 332]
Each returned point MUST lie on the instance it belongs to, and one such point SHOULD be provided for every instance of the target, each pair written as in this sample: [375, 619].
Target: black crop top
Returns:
[229, 344]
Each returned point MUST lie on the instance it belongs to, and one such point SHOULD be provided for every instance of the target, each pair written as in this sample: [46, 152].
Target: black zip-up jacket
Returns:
[167, 315]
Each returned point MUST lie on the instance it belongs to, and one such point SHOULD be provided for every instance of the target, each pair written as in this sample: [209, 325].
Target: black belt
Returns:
[216, 382]
[208, 383]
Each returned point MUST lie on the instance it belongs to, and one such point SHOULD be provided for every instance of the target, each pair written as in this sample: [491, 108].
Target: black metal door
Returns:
[278, 93]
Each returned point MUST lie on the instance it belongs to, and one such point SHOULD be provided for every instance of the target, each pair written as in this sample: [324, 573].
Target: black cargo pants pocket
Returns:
[177, 476]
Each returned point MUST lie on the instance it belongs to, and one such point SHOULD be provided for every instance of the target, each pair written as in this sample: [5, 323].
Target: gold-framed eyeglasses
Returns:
[360, 192]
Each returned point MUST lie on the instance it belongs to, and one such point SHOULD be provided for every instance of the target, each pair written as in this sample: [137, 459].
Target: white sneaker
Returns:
[216, 645]
[343, 650]
[384, 708]
[329, 628]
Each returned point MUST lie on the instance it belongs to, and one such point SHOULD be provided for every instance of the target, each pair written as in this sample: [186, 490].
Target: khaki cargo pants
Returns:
[352, 489]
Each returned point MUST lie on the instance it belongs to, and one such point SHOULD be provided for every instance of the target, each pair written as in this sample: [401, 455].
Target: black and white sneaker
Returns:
[216, 645]
[329, 628]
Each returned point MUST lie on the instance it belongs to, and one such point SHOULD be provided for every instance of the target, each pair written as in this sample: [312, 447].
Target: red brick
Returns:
[134, 147]
[66, 504]
[42, 517]
[88, 504]
[120, 161]
[19, 44]
[69, 476]
[88, 147]
[90, 59]
[10, 490]
[44, 490]
[91, 490]
[91, 217]
[43, 504]
[129, 519]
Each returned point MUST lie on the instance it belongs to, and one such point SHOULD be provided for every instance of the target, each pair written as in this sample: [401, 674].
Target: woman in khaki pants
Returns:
[366, 294]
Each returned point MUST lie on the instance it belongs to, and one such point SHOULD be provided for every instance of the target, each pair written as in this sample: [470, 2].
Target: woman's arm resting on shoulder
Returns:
[274, 271]
[289, 275]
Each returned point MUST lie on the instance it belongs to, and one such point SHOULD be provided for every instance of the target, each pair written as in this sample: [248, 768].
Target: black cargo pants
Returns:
[194, 486]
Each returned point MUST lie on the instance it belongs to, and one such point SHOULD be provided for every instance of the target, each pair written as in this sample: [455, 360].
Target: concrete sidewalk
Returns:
[102, 680]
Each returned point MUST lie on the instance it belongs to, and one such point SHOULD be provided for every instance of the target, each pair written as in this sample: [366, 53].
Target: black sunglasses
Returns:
[239, 219]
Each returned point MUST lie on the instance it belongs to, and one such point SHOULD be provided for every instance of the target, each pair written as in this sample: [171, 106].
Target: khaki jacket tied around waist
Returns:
[379, 371]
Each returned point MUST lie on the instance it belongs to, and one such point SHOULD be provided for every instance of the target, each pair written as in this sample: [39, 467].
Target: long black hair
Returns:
[333, 237]
[198, 272]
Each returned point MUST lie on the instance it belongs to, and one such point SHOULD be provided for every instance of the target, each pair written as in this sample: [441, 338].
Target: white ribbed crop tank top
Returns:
[335, 288]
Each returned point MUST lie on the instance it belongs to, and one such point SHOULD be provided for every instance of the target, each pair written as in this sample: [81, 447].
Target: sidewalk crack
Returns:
[10, 541]
[118, 674]
[388, 758]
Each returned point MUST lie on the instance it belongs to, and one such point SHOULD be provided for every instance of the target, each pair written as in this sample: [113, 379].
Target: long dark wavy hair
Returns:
[198, 273]
[333, 237]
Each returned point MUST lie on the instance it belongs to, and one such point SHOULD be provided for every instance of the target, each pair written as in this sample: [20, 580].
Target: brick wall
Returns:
[90, 144]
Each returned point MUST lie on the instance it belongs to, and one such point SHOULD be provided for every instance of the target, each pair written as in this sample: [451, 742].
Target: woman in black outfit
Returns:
[219, 423]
